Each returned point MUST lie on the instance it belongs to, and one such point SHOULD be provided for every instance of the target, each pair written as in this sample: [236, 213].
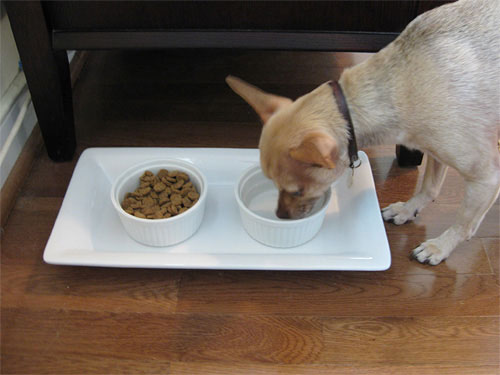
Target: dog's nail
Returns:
[390, 220]
[417, 251]
[415, 214]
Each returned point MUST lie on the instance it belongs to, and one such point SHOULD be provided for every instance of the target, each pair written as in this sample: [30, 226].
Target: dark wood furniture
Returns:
[44, 30]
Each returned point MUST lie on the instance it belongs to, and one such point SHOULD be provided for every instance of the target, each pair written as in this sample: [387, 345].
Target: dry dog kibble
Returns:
[165, 195]
[162, 173]
[193, 195]
[159, 187]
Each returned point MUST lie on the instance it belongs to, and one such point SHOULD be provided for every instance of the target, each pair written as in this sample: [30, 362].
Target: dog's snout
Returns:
[282, 213]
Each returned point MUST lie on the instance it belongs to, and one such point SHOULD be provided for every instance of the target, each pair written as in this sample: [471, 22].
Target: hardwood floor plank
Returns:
[164, 337]
[492, 246]
[14, 279]
[214, 368]
[247, 339]
[49, 179]
[28, 229]
[90, 288]
[18, 174]
[429, 340]
[177, 134]
[338, 294]
[53, 363]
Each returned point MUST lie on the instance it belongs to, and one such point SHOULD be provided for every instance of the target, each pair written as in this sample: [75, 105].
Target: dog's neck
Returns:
[352, 147]
[370, 102]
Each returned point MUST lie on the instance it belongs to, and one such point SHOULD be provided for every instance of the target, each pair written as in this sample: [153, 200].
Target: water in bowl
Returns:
[265, 203]
[262, 199]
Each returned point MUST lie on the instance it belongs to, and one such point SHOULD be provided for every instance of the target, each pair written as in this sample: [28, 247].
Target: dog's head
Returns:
[302, 144]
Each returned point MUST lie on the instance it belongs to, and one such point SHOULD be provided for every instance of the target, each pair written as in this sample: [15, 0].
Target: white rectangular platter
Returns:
[87, 231]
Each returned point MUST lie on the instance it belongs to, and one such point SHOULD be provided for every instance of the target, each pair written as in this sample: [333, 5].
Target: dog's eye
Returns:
[298, 193]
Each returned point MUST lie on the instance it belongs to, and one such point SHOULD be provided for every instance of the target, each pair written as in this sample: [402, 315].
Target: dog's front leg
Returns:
[403, 212]
[479, 197]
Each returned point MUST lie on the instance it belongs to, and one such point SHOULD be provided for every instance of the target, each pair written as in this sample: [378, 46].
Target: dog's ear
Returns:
[263, 103]
[317, 149]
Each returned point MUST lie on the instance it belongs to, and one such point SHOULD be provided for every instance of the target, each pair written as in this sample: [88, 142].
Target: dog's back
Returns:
[442, 72]
[460, 43]
[464, 36]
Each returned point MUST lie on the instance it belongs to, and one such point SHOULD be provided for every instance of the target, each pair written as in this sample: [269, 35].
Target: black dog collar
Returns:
[344, 109]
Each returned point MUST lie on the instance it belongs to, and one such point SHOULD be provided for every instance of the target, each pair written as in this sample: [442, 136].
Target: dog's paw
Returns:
[429, 253]
[399, 213]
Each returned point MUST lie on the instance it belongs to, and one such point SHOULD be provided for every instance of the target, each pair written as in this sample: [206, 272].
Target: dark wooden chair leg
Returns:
[407, 157]
[48, 77]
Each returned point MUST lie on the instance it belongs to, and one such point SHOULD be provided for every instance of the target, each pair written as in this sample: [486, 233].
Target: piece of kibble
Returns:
[151, 210]
[178, 184]
[159, 187]
[166, 194]
[163, 198]
[176, 199]
[136, 205]
[148, 202]
[162, 173]
[193, 195]
[147, 176]
[187, 202]
[172, 209]
[144, 191]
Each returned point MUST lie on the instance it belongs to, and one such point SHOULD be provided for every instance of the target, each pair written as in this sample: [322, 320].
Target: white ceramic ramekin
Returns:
[160, 232]
[257, 199]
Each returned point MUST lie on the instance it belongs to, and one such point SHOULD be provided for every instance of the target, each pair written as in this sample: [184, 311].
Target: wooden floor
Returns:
[411, 319]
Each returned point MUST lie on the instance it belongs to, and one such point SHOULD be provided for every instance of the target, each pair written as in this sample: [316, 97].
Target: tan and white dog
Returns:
[436, 88]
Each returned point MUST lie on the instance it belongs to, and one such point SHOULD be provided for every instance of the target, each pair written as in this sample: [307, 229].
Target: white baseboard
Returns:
[21, 137]
[24, 132]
